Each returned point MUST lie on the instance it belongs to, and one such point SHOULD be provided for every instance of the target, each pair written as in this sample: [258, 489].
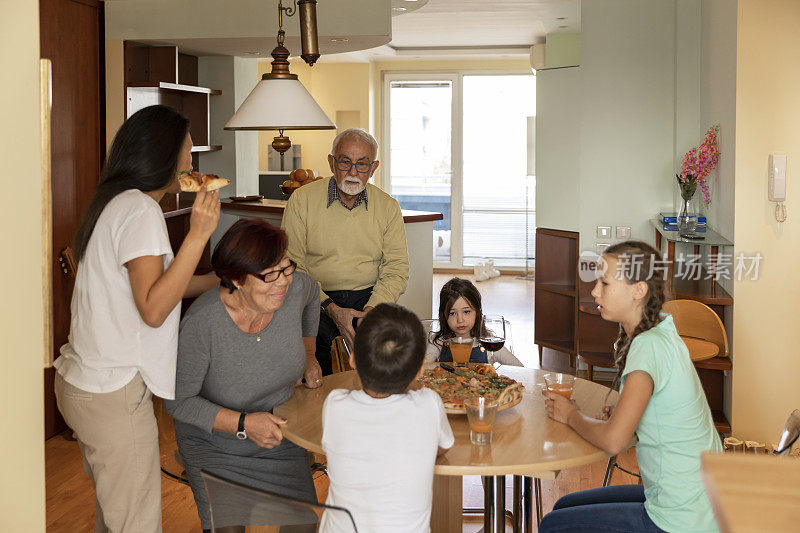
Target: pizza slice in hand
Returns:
[194, 181]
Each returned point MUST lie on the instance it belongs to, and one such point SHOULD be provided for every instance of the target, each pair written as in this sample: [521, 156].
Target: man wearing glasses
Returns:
[348, 235]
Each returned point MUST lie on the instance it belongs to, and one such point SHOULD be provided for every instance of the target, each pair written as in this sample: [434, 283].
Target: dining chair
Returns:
[790, 433]
[699, 327]
[231, 503]
[340, 355]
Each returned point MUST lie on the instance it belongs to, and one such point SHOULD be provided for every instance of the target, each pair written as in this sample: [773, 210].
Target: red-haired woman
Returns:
[242, 350]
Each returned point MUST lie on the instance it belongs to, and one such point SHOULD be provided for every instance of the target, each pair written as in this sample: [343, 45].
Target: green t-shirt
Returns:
[675, 428]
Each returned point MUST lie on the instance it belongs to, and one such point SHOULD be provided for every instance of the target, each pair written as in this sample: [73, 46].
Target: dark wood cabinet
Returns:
[71, 37]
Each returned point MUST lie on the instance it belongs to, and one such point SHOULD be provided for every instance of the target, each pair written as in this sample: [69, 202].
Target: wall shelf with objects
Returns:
[156, 74]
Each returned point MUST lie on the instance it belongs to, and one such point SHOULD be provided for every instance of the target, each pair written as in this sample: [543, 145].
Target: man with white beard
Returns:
[349, 236]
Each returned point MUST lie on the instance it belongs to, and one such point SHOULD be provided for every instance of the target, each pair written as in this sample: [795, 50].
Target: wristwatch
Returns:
[241, 434]
[324, 305]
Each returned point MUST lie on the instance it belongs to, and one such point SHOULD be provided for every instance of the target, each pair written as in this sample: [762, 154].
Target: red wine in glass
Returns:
[492, 344]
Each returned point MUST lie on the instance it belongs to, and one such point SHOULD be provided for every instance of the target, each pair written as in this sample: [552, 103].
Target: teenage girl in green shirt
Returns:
[661, 401]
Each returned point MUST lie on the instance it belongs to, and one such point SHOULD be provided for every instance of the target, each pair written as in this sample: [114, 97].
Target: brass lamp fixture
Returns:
[279, 101]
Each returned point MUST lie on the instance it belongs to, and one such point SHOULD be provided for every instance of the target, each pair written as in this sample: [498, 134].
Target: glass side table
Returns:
[711, 238]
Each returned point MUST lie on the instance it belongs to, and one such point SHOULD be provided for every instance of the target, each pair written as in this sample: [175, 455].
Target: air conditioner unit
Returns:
[537, 56]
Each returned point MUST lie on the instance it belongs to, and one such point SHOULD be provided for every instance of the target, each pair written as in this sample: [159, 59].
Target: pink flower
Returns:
[698, 163]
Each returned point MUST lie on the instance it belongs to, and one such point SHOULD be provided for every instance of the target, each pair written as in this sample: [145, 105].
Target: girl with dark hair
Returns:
[661, 401]
[460, 315]
[243, 348]
[123, 339]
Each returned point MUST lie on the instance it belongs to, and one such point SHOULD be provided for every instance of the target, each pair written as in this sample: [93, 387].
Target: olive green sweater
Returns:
[348, 250]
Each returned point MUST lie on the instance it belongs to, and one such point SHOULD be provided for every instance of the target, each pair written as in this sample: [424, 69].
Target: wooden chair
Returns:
[340, 355]
[699, 327]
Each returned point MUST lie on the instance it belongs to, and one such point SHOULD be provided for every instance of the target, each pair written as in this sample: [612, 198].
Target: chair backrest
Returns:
[695, 319]
[790, 433]
[234, 504]
[340, 355]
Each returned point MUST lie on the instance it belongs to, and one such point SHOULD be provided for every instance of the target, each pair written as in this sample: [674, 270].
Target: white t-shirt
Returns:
[381, 454]
[108, 340]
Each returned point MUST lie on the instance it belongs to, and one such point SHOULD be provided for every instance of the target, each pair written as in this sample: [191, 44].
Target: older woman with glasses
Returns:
[242, 350]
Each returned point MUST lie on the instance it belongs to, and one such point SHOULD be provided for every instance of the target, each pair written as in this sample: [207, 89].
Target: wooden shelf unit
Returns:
[157, 74]
[556, 292]
[163, 75]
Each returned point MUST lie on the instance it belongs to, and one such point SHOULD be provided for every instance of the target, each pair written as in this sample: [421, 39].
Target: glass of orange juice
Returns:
[480, 414]
[460, 349]
[562, 384]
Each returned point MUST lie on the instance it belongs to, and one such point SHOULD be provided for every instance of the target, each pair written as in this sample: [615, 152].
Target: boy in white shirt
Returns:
[382, 441]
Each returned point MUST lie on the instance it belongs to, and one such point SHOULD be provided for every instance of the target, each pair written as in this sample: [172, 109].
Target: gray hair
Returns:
[356, 134]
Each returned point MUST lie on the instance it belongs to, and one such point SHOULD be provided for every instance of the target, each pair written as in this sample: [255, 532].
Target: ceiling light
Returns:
[340, 40]
[399, 9]
[252, 53]
[279, 101]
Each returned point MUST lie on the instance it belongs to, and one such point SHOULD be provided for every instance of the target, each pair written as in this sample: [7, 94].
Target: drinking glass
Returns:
[493, 334]
[562, 384]
[460, 349]
[431, 327]
[480, 414]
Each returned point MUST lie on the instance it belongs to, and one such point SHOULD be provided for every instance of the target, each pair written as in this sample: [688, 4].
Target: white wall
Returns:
[718, 58]
[627, 115]
[558, 148]
[238, 159]
[22, 487]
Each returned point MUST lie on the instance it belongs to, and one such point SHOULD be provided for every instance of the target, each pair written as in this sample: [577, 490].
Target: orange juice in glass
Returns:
[460, 349]
[480, 415]
[562, 384]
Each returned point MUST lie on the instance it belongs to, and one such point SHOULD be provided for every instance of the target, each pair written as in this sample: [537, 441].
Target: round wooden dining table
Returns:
[525, 442]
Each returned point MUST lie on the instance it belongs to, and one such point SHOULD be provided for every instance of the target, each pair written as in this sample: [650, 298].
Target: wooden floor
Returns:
[70, 496]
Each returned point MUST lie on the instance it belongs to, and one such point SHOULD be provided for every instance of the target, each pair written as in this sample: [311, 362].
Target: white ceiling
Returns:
[471, 28]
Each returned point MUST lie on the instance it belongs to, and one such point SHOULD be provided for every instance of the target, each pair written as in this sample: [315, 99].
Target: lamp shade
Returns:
[279, 104]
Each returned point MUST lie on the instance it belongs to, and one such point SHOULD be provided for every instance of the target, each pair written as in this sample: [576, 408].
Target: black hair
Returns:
[451, 291]
[389, 349]
[644, 259]
[143, 156]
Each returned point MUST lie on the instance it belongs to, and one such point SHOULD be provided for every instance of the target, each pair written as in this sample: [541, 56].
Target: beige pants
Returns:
[118, 437]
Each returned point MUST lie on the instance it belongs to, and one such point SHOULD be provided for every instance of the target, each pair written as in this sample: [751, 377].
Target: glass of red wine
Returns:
[493, 334]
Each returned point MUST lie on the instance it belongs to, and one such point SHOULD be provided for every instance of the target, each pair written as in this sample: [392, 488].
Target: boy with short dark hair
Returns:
[382, 441]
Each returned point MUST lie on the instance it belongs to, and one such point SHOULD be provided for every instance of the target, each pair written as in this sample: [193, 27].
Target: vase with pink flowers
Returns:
[696, 166]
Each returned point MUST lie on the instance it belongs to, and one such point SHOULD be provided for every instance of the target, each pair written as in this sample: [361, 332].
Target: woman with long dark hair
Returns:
[123, 339]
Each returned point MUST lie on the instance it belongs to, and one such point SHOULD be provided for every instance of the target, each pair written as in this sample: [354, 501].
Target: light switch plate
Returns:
[623, 232]
[603, 232]
[601, 247]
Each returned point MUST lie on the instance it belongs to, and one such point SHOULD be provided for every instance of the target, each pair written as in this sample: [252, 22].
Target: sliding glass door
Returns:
[494, 136]
[457, 145]
[420, 128]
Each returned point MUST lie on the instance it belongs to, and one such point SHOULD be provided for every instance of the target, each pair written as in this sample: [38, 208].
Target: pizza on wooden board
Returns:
[456, 385]
[194, 181]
